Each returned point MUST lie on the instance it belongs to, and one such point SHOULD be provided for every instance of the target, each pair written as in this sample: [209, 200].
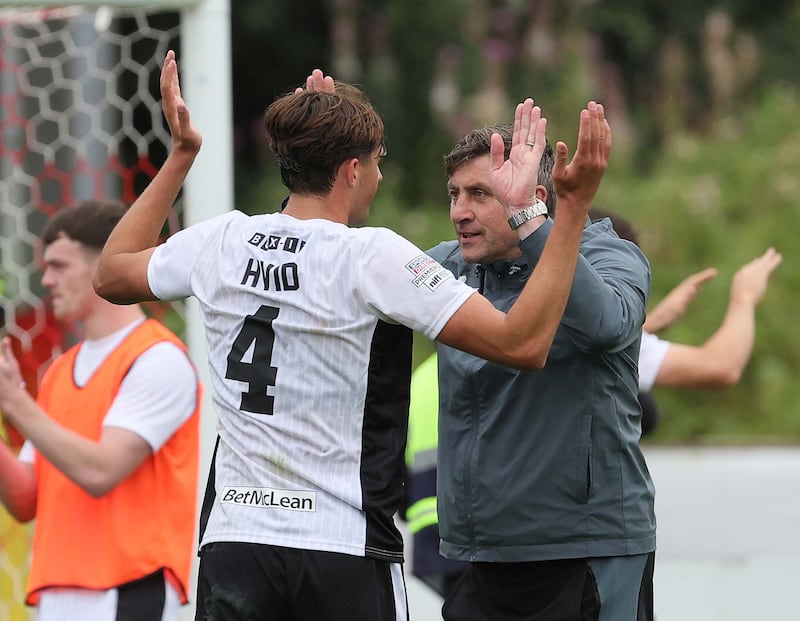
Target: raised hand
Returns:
[185, 138]
[514, 180]
[576, 182]
[675, 303]
[317, 81]
[750, 281]
[10, 376]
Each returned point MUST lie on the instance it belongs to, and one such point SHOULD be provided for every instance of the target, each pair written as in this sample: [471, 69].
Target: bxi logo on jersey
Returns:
[427, 271]
[276, 242]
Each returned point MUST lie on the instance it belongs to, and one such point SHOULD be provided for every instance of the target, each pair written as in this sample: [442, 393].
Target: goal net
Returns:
[80, 118]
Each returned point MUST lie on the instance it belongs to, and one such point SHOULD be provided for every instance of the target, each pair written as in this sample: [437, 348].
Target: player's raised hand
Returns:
[185, 138]
[576, 181]
[317, 81]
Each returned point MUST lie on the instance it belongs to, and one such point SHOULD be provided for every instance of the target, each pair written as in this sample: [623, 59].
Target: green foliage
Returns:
[706, 181]
[721, 202]
[717, 202]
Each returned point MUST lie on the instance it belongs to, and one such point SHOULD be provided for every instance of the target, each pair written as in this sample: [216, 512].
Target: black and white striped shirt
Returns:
[310, 359]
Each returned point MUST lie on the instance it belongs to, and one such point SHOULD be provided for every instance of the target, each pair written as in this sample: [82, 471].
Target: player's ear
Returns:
[348, 171]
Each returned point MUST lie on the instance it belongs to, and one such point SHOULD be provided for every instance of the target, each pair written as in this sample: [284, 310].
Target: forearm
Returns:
[731, 345]
[17, 486]
[78, 458]
[666, 312]
[521, 338]
[121, 273]
[535, 316]
[141, 226]
[656, 321]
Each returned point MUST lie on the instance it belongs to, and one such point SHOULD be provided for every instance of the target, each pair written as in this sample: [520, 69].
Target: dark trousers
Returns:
[557, 590]
[560, 590]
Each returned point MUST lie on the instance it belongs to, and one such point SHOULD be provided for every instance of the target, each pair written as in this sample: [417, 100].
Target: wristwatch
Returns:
[529, 213]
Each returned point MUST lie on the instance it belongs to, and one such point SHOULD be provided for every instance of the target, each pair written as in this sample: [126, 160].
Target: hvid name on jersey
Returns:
[271, 276]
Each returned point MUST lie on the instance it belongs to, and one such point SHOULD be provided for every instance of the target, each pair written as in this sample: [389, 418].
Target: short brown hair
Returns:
[89, 222]
[312, 133]
[478, 142]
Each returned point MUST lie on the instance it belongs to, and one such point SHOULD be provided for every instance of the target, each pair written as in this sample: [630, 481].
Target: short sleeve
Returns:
[651, 357]
[27, 454]
[157, 396]
[169, 272]
[400, 282]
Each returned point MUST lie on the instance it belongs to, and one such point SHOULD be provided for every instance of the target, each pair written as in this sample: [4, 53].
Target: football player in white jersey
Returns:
[307, 324]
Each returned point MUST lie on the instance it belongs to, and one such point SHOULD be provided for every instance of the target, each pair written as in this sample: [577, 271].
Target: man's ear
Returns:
[349, 171]
[541, 193]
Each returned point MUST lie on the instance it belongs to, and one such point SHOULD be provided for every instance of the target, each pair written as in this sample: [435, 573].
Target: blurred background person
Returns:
[110, 466]
[721, 359]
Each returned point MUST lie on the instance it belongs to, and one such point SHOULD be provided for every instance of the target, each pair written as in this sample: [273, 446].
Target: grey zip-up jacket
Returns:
[546, 465]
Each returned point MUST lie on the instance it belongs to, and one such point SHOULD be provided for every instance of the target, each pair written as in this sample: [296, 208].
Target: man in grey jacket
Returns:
[541, 482]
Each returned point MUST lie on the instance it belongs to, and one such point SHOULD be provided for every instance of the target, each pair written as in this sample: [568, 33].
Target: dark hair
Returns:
[478, 142]
[312, 133]
[622, 226]
[89, 222]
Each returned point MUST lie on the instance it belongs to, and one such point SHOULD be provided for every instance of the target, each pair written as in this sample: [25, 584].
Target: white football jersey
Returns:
[310, 365]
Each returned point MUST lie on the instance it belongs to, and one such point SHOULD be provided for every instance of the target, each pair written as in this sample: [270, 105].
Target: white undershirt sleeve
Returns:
[651, 356]
[27, 453]
[157, 396]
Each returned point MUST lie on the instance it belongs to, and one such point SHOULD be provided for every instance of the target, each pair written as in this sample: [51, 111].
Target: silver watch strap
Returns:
[529, 213]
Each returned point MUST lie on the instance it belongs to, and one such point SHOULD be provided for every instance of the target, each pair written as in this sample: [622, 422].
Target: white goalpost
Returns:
[80, 118]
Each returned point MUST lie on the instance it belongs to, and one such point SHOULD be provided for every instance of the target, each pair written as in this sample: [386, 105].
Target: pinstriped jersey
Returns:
[310, 359]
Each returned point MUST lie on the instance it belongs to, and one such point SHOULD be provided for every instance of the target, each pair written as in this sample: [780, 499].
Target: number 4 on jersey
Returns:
[257, 336]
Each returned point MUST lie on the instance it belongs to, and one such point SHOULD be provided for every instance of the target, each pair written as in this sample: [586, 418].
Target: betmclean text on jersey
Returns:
[269, 498]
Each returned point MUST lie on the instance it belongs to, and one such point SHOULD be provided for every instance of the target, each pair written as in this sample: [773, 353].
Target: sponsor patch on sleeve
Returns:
[427, 271]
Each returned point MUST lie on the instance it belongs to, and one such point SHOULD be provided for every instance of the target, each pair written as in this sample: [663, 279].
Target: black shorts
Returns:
[150, 598]
[253, 582]
[143, 599]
